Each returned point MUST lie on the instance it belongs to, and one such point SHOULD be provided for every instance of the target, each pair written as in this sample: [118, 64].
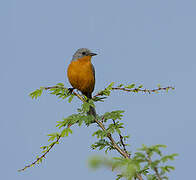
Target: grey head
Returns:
[81, 53]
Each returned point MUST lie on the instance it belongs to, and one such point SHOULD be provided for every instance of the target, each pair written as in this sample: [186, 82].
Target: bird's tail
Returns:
[92, 110]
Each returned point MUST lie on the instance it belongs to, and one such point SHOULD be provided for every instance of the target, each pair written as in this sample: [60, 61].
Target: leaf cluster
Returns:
[130, 88]
[147, 162]
[151, 166]
[141, 163]
[113, 127]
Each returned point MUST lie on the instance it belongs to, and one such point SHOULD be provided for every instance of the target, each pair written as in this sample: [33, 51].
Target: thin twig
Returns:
[123, 144]
[143, 90]
[55, 87]
[115, 145]
[118, 88]
[42, 156]
[155, 168]
[149, 91]
[121, 141]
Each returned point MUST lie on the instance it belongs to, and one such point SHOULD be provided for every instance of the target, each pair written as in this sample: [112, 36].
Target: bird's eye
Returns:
[83, 53]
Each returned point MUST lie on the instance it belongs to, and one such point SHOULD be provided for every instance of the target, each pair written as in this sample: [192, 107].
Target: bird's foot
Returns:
[70, 90]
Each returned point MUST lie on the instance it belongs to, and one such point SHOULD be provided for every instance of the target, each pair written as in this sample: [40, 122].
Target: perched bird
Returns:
[81, 74]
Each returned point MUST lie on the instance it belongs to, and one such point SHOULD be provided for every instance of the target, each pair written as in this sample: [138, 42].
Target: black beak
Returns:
[92, 54]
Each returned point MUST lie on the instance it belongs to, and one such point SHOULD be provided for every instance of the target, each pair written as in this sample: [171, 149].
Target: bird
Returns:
[81, 74]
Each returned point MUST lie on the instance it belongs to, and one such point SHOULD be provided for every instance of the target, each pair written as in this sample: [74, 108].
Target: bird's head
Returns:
[82, 52]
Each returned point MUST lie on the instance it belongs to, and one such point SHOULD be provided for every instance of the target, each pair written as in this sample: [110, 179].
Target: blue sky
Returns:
[145, 42]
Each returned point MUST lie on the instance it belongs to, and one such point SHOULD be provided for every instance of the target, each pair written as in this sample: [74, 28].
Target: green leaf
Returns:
[151, 177]
[120, 85]
[100, 134]
[101, 99]
[107, 90]
[143, 148]
[70, 98]
[101, 144]
[140, 157]
[110, 85]
[69, 131]
[95, 162]
[85, 107]
[154, 164]
[119, 176]
[60, 84]
[113, 115]
[118, 130]
[63, 133]
[35, 94]
[43, 147]
[80, 121]
[167, 169]
[168, 157]
[160, 146]
[53, 136]
[131, 86]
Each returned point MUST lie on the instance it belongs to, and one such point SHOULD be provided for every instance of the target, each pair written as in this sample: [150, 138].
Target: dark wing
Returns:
[93, 70]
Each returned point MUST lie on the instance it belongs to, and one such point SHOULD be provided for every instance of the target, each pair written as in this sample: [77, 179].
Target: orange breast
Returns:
[81, 76]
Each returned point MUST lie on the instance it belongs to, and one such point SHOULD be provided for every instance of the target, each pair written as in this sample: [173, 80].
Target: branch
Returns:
[115, 145]
[123, 151]
[155, 168]
[121, 141]
[123, 144]
[136, 90]
[144, 90]
[54, 87]
[39, 159]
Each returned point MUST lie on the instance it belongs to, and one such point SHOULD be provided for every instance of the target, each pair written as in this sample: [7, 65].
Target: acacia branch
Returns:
[42, 156]
[144, 90]
[121, 141]
[115, 145]
[123, 151]
[123, 144]
[39, 159]
[55, 87]
[155, 168]
[135, 90]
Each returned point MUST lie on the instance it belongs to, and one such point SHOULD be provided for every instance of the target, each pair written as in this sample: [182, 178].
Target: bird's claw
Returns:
[70, 90]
